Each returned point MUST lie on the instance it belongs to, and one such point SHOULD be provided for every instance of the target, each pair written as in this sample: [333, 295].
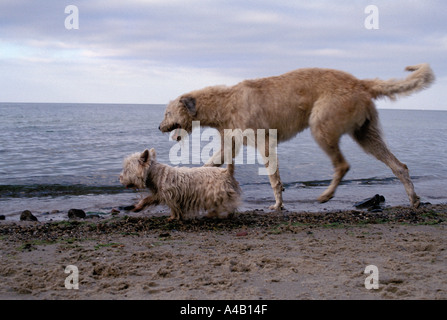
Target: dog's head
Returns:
[179, 114]
[135, 169]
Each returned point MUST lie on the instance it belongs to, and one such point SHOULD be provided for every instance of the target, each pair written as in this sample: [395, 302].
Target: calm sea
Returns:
[63, 156]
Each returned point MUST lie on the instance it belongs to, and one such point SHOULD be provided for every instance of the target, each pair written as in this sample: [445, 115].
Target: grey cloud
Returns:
[237, 39]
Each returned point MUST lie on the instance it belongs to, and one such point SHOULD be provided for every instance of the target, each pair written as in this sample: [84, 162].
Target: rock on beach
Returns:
[76, 213]
[27, 216]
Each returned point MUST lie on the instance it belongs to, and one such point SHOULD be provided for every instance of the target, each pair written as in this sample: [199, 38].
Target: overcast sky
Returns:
[151, 51]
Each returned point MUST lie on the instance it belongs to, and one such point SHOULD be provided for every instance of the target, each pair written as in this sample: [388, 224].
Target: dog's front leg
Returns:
[216, 160]
[176, 214]
[145, 202]
[275, 182]
[229, 149]
[267, 149]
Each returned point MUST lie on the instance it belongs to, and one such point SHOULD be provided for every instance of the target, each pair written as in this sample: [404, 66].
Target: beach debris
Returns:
[76, 213]
[164, 235]
[27, 216]
[372, 204]
[242, 233]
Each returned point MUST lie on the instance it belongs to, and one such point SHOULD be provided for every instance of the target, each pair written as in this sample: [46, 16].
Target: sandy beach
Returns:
[255, 255]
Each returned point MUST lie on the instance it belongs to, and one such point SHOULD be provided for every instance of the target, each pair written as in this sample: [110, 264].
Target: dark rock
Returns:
[76, 213]
[27, 216]
[373, 202]
[2, 217]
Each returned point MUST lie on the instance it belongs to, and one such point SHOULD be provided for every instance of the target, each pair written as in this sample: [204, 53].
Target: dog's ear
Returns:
[152, 153]
[144, 157]
[190, 104]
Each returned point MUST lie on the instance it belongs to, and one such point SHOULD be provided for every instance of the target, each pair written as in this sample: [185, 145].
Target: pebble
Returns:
[27, 216]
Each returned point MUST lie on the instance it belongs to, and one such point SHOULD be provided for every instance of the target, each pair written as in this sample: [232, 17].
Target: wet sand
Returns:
[254, 255]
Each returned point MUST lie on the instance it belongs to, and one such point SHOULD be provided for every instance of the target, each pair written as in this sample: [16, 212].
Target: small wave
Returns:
[60, 190]
[55, 190]
[324, 183]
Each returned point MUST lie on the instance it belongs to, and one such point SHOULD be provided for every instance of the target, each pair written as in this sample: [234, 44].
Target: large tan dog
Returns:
[330, 102]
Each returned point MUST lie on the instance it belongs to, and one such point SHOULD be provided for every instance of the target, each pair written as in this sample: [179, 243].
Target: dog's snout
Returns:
[159, 128]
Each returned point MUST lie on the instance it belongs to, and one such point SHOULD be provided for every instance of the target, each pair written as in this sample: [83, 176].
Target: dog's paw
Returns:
[416, 202]
[137, 208]
[325, 197]
[277, 207]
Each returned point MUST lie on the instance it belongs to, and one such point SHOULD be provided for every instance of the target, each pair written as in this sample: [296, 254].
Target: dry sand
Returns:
[254, 255]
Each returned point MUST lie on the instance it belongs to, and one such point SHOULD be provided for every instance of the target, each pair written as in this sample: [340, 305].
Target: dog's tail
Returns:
[421, 77]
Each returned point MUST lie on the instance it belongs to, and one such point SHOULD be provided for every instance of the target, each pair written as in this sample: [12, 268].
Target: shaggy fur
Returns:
[330, 102]
[186, 191]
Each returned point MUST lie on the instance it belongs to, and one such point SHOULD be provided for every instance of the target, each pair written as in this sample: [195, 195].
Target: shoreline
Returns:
[48, 209]
[254, 255]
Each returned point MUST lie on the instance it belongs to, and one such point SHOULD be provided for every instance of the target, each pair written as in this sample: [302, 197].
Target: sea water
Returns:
[54, 157]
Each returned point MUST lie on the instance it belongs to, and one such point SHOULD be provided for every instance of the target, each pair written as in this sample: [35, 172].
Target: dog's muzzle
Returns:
[177, 136]
[169, 129]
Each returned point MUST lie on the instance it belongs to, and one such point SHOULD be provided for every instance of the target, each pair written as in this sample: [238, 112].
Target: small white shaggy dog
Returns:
[186, 191]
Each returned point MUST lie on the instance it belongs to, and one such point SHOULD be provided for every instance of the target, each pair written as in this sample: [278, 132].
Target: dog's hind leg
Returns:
[370, 139]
